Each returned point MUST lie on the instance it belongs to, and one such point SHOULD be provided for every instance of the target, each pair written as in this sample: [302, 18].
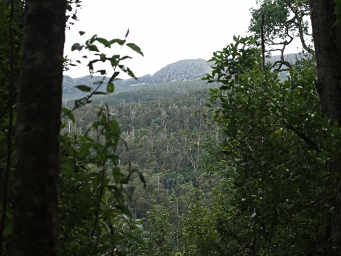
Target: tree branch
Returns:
[305, 138]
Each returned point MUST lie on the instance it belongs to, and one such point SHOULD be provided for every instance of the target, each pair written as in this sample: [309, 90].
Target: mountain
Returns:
[183, 70]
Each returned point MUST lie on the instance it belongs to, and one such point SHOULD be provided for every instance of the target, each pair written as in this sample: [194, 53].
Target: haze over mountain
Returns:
[183, 70]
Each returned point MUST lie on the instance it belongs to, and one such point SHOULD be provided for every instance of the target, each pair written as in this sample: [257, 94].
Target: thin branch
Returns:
[263, 43]
[281, 64]
[305, 138]
[299, 25]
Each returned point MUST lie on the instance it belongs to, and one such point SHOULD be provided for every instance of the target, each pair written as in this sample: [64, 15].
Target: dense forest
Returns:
[239, 155]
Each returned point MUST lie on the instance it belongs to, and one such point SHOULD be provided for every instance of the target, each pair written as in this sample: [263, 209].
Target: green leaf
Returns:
[115, 127]
[113, 77]
[92, 47]
[118, 41]
[110, 88]
[123, 68]
[77, 47]
[92, 39]
[131, 73]
[91, 66]
[104, 41]
[103, 57]
[116, 173]
[125, 57]
[81, 32]
[114, 61]
[127, 33]
[100, 93]
[135, 48]
[67, 112]
[83, 88]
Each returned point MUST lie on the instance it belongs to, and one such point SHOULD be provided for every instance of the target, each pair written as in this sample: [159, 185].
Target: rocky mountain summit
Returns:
[183, 70]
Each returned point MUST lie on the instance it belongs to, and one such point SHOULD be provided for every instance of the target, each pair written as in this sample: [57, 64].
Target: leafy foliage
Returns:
[94, 217]
[93, 191]
[278, 145]
[100, 57]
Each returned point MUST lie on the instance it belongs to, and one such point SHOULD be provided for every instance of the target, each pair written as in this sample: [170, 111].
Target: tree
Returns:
[277, 169]
[283, 148]
[38, 125]
[11, 21]
[282, 23]
[327, 40]
[88, 165]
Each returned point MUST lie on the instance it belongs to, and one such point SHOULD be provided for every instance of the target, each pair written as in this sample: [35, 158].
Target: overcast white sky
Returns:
[166, 30]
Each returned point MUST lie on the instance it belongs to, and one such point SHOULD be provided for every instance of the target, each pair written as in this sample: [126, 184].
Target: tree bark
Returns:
[38, 125]
[327, 40]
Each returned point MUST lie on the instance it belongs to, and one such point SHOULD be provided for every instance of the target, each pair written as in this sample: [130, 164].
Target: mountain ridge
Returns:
[182, 70]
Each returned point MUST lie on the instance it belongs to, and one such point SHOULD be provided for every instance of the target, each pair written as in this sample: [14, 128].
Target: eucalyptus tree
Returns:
[282, 24]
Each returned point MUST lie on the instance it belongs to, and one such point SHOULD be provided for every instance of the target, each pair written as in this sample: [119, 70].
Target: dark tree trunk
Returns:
[327, 39]
[38, 124]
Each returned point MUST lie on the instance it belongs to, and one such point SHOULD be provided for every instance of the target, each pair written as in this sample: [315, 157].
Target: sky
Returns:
[166, 30]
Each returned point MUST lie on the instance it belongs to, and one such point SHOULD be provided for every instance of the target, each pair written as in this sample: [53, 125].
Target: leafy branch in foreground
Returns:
[93, 187]
[93, 46]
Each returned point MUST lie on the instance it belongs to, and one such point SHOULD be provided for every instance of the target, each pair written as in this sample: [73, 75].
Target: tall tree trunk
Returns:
[327, 40]
[38, 124]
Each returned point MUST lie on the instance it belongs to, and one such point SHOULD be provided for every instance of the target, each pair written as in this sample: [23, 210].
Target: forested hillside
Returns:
[167, 133]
